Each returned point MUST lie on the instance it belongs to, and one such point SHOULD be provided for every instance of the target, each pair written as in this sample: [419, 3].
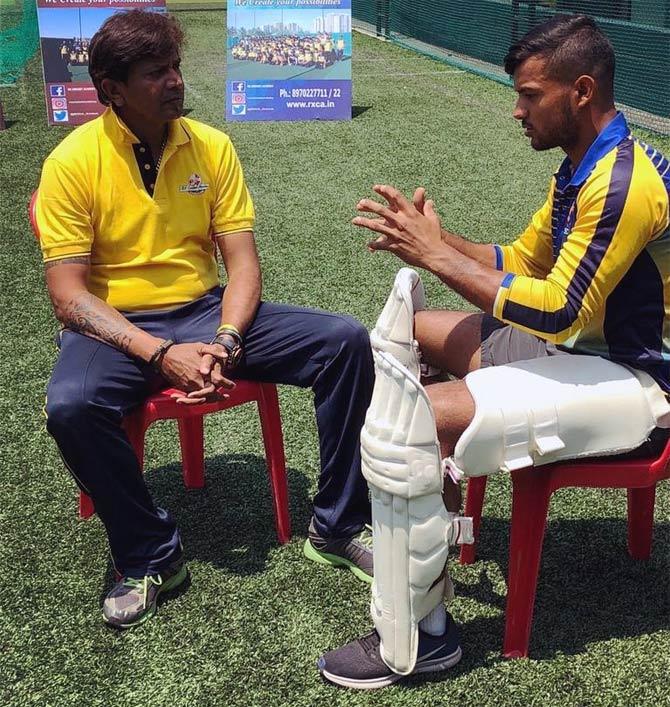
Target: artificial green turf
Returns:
[256, 616]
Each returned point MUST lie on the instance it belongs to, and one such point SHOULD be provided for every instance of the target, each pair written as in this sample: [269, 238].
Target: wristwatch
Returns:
[232, 344]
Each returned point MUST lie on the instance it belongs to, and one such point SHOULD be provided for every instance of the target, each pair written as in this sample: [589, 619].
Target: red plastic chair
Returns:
[190, 423]
[531, 491]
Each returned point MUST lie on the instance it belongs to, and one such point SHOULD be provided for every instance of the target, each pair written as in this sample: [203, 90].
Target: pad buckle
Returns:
[450, 469]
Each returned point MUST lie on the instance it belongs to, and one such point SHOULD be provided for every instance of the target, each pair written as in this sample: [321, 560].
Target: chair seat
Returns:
[162, 406]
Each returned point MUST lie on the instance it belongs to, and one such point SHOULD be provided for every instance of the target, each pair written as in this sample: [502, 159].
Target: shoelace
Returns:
[143, 585]
[370, 642]
[365, 537]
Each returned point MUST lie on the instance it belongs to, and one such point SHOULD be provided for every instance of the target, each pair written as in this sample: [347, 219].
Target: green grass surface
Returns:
[256, 616]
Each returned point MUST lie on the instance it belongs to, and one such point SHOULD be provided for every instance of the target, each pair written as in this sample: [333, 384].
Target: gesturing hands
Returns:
[409, 229]
[197, 370]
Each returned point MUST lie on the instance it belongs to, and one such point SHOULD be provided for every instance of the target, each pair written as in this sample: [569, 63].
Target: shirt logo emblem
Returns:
[195, 185]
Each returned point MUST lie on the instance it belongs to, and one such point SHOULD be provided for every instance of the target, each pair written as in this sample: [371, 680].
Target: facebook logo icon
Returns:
[239, 86]
[57, 91]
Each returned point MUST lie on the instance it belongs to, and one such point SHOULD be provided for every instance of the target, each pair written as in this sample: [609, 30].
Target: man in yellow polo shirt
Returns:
[131, 209]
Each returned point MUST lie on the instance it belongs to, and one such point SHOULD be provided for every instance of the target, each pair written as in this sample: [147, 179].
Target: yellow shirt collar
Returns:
[120, 132]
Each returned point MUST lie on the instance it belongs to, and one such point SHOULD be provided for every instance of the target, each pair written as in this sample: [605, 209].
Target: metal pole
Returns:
[515, 20]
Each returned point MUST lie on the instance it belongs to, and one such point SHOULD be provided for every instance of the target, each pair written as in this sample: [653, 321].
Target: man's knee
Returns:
[66, 408]
[454, 409]
[349, 336]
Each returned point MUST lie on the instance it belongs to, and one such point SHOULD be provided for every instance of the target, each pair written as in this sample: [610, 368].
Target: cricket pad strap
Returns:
[549, 409]
[401, 462]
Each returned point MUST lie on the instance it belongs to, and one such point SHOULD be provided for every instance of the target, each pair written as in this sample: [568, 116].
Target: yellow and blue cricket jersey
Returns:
[148, 232]
[592, 270]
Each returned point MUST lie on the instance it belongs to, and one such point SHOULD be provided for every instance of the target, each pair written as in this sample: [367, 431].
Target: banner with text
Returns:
[288, 60]
[66, 28]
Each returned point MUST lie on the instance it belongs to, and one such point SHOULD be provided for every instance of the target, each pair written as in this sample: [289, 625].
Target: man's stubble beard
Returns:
[563, 134]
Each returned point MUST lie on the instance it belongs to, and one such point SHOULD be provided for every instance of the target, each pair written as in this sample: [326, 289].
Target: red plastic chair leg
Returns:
[273, 440]
[641, 521]
[135, 428]
[530, 504]
[191, 439]
[86, 509]
[474, 502]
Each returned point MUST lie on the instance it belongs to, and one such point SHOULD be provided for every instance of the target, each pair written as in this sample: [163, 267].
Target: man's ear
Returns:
[112, 89]
[584, 90]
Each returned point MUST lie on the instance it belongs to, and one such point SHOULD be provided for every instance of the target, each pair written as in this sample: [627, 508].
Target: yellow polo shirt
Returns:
[146, 252]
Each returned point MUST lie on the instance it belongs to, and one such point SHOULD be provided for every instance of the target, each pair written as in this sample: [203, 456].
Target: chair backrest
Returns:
[32, 216]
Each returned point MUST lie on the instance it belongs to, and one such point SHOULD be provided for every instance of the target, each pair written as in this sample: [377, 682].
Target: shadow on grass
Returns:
[359, 110]
[229, 523]
[589, 588]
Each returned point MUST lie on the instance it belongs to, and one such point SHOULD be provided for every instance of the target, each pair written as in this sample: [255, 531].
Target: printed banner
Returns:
[66, 28]
[288, 60]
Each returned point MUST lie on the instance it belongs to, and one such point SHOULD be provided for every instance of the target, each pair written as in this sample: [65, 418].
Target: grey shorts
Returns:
[503, 343]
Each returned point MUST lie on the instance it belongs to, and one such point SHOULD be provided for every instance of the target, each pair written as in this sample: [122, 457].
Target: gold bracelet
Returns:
[229, 327]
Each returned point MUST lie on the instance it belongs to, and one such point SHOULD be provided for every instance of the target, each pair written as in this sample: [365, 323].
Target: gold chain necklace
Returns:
[160, 154]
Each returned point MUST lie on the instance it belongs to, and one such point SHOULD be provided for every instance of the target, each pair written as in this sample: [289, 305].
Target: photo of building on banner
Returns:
[66, 28]
[288, 60]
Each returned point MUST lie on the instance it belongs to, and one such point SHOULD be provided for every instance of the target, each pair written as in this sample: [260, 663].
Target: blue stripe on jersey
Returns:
[561, 319]
[507, 280]
[660, 162]
[633, 323]
[499, 257]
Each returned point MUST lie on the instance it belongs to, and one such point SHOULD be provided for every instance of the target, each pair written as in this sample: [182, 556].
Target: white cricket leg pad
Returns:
[394, 330]
[559, 407]
[400, 456]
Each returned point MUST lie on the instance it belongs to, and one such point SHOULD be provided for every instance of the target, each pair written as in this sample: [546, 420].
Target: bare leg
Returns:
[451, 342]
[454, 409]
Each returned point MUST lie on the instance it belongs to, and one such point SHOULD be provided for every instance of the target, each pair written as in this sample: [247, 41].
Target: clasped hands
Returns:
[197, 370]
[409, 229]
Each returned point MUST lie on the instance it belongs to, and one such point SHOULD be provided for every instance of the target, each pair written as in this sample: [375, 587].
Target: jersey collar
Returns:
[615, 131]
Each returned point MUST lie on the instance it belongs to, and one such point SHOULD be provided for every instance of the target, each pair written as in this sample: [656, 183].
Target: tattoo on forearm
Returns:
[87, 314]
[75, 260]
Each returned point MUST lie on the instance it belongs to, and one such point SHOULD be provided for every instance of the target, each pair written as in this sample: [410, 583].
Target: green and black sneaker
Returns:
[132, 601]
[354, 553]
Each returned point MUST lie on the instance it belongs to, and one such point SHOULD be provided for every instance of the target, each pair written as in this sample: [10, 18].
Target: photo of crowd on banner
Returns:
[66, 59]
[75, 52]
[318, 51]
[283, 45]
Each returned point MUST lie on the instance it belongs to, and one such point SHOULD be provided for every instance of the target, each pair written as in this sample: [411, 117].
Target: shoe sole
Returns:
[324, 558]
[172, 583]
[429, 666]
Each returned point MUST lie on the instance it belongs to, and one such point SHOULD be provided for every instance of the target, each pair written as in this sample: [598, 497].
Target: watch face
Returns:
[235, 356]
[233, 349]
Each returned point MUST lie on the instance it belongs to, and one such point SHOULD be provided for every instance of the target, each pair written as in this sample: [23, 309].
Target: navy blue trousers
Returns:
[94, 385]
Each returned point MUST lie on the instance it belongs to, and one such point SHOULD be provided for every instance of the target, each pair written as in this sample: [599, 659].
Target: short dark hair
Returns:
[573, 45]
[128, 37]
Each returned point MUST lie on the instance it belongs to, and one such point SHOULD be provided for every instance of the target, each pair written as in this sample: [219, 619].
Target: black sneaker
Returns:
[132, 601]
[359, 664]
[354, 553]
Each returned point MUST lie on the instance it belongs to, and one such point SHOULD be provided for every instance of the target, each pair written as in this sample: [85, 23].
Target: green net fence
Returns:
[475, 35]
[18, 37]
